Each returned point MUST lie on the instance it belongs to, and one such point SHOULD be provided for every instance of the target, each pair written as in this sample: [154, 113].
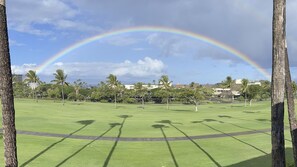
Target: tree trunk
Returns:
[245, 99]
[115, 100]
[35, 95]
[142, 102]
[167, 103]
[196, 107]
[63, 93]
[8, 112]
[291, 108]
[251, 102]
[278, 84]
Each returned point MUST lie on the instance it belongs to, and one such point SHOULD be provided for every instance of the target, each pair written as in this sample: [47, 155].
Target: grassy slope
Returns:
[47, 116]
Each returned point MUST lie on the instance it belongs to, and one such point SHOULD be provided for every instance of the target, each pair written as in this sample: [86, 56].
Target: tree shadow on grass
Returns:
[124, 117]
[85, 123]
[235, 138]
[224, 116]
[264, 161]
[195, 143]
[161, 126]
[112, 125]
[264, 120]
[180, 110]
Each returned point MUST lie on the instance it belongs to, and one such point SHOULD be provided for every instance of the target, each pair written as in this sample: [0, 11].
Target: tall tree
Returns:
[33, 80]
[252, 92]
[294, 87]
[244, 88]
[291, 108]
[266, 89]
[78, 84]
[60, 79]
[141, 91]
[115, 85]
[278, 84]
[195, 93]
[6, 92]
[166, 85]
[228, 84]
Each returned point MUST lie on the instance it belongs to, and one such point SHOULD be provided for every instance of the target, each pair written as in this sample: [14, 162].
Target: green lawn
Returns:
[97, 119]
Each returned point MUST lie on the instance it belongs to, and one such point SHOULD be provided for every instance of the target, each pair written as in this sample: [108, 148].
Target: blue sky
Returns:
[40, 29]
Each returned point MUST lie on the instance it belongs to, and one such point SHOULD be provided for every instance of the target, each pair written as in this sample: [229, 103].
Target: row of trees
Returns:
[112, 90]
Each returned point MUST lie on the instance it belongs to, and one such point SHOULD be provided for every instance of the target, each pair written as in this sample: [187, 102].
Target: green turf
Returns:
[95, 119]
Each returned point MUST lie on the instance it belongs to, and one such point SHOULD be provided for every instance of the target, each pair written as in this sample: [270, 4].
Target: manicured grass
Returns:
[95, 119]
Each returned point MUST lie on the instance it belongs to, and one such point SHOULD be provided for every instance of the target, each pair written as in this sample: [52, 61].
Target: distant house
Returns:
[221, 91]
[239, 82]
[129, 87]
[149, 87]
[180, 86]
[224, 92]
[255, 83]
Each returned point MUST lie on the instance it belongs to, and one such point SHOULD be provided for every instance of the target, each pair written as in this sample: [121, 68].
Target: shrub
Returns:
[130, 101]
[104, 101]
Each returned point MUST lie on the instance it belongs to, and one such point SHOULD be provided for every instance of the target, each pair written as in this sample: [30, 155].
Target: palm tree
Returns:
[278, 83]
[6, 92]
[78, 84]
[291, 107]
[228, 84]
[166, 84]
[115, 85]
[33, 80]
[140, 91]
[294, 87]
[244, 88]
[60, 79]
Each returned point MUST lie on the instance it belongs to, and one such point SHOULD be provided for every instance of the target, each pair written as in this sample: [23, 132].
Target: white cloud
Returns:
[146, 67]
[15, 43]
[58, 64]
[43, 17]
[139, 49]
[23, 69]
[171, 45]
[143, 68]
[122, 40]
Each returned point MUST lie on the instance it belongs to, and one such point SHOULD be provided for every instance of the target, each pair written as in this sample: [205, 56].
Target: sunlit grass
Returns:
[155, 121]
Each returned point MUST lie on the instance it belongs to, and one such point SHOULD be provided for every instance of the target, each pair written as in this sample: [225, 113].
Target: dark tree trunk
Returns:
[8, 114]
[115, 100]
[142, 99]
[167, 103]
[291, 108]
[278, 84]
[63, 98]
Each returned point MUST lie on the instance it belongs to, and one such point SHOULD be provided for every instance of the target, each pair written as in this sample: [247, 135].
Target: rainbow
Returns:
[175, 31]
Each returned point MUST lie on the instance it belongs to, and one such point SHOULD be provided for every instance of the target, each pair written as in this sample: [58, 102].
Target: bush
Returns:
[241, 98]
[104, 101]
[130, 101]
[72, 96]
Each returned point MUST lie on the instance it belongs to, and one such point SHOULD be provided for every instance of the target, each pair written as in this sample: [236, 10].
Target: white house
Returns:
[149, 87]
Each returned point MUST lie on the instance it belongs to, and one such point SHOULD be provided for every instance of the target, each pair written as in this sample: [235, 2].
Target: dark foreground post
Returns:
[6, 92]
